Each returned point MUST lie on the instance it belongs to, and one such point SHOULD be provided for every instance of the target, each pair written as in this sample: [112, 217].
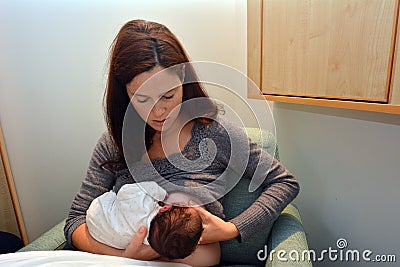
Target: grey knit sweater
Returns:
[216, 156]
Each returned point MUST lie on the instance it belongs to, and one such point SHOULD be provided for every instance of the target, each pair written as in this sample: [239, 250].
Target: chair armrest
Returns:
[53, 239]
[288, 235]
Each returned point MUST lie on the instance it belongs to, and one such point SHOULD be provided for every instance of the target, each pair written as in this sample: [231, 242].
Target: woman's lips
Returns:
[159, 122]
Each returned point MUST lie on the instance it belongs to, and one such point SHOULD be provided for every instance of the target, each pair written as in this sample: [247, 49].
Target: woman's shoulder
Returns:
[105, 138]
[105, 144]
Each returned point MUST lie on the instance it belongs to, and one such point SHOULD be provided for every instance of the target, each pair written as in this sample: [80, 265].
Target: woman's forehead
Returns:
[154, 82]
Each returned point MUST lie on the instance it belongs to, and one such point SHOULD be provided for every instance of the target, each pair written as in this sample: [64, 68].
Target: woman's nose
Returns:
[158, 109]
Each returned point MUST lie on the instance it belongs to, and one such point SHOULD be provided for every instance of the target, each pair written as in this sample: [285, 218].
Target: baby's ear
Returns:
[165, 208]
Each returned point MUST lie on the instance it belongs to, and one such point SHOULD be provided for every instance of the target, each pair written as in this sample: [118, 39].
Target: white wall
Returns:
[52, 76]
[348, 165]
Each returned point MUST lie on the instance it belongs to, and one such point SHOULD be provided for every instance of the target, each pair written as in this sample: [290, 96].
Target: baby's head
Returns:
[175, 231]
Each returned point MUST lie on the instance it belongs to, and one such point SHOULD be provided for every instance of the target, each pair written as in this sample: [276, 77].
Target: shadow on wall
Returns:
[344, 113]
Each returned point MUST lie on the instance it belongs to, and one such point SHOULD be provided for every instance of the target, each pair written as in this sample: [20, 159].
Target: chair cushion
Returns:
[238, 200]
[232, 251]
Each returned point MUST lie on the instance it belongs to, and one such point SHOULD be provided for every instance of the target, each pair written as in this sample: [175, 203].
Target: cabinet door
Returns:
[338, 49]
[395, 90]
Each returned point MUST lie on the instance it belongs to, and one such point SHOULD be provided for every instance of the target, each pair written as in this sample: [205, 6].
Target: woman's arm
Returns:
[279, 186]
[204, 255]
[98, 180]
[262, 212]
[82, 240]
[215, 229]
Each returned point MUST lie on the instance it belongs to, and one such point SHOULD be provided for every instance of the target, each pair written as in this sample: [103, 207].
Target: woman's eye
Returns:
[168, 96]
[141, 100]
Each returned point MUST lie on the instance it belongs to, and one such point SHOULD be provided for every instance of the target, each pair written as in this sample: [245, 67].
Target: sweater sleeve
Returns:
[279, 186]
[97, 181]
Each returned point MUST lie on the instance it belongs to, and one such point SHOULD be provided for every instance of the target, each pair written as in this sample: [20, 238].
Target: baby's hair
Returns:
[175, 233]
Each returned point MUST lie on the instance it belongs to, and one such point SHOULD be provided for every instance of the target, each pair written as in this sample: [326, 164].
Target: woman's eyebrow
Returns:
[140, 95]
[167, 91]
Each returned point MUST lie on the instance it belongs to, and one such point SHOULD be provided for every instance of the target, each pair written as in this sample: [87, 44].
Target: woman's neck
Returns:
[173, 141]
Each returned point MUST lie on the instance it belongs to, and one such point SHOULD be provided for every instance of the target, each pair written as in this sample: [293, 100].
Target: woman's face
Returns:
[156, 100]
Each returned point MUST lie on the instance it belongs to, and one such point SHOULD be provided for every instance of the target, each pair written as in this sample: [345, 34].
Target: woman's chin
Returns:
[158, 128]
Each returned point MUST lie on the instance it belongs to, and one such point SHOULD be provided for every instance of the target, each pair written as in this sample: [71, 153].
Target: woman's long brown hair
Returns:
[138, 47]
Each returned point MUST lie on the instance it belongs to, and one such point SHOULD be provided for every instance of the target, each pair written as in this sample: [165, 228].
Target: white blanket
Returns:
[113, 219]
[64, 258]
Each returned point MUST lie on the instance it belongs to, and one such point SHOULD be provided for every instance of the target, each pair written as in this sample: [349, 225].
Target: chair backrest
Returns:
[265, 139]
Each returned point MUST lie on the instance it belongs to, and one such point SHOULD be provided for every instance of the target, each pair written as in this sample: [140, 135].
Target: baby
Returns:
[174, 231]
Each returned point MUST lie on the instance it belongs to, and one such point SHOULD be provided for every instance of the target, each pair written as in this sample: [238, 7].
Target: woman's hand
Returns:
[215, 229]
[139, 251]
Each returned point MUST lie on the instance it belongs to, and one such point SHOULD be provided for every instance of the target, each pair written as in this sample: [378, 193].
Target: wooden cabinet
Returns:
[338, 53]
[395, 93]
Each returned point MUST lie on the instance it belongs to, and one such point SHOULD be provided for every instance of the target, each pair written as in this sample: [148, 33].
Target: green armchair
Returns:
[286, 233]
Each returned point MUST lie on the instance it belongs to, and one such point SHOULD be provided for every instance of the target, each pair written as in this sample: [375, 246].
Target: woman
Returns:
[140, 51]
